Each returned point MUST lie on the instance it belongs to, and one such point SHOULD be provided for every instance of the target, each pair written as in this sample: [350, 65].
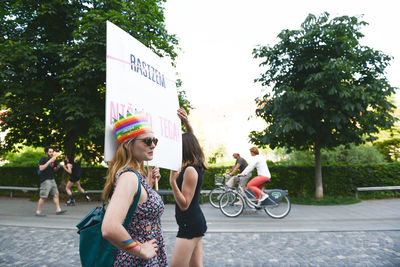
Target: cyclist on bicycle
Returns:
[263, 175]
[240, 165]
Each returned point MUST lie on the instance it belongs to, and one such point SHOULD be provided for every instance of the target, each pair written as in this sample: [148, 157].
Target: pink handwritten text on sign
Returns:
[117, 108]
[169, 129]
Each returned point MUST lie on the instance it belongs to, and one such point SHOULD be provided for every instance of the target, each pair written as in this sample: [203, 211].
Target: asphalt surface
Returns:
[363, 234]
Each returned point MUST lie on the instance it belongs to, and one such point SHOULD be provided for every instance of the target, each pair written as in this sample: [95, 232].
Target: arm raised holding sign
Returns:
[184, 118]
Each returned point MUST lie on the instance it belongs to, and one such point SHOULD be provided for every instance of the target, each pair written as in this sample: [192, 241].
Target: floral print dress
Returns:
[145, 225]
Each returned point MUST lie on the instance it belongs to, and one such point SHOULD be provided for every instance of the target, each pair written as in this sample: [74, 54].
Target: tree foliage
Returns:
[390, 148]
[52, 67]
[339, 156]
[327, 89]
[26, 157]
[183, 101]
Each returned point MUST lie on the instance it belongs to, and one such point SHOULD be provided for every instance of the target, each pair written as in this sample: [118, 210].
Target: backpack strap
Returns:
[135, 202]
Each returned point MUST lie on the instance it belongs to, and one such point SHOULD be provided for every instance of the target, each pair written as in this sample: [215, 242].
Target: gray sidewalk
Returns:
[364, 234]
[371, 215]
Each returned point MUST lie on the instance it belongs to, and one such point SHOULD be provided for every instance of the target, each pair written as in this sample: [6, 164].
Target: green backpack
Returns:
[94, 250]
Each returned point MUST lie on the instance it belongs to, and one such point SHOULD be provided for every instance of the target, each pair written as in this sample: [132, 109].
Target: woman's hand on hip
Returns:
[149, 249]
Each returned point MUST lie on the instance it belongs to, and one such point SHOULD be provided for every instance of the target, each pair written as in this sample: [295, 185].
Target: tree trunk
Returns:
[69, 146]
[319, 190]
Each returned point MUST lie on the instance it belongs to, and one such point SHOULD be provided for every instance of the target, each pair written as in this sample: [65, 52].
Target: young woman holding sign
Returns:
[142, 244]
[186, 186]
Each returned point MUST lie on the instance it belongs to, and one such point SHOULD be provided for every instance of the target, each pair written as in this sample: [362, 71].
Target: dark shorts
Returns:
[74, 179]
[192, 228]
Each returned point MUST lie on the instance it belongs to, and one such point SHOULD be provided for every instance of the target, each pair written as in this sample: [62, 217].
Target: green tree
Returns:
[218, 153]
[183, 101]
[26, 157]
[327, 89]
[52, 67]
[341, 155]
[390, 148]
[388, 142]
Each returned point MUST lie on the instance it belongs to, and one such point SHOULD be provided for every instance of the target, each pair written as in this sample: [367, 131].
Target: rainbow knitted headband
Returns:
[131, 126]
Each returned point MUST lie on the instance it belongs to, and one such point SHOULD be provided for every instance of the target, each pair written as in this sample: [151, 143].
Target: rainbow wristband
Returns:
[130, 244]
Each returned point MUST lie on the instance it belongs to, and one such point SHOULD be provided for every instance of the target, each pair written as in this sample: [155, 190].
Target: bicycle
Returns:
[277, 205]
[216, 193]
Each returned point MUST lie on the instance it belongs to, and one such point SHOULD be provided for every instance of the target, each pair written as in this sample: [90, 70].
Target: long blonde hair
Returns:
[122, 159]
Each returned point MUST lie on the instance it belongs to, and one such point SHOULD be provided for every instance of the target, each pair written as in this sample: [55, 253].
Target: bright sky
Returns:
[216, 64]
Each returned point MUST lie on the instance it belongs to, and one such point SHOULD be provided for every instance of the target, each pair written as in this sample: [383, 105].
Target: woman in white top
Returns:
[263, 175]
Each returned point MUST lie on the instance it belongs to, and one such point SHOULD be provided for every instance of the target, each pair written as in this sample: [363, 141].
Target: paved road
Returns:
[364, 234]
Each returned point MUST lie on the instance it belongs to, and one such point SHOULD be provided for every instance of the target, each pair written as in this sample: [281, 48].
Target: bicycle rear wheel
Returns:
[215, 196]
[279, 210]
[231, 204]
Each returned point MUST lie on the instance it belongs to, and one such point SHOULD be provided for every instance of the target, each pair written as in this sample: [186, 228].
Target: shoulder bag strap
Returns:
[135, 202]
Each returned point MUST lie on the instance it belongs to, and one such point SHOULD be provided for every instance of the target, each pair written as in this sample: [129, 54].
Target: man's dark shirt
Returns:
[48, 173]
[242, 162]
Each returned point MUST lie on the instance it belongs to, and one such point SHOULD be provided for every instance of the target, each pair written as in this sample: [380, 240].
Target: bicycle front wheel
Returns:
[279, 210]
[215, 196]
[231, 204]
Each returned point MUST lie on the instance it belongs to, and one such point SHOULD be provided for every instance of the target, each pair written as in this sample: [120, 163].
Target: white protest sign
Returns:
[138, 79]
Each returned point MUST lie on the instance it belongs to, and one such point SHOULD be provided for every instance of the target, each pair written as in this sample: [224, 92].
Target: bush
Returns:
[337, 180]
[390, 148]
[27, 157]
[366, 154]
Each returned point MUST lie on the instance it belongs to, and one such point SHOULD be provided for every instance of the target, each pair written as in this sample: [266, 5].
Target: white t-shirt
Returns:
[260, 163]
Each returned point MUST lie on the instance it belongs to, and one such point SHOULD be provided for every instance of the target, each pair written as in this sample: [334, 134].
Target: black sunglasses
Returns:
[149, 140]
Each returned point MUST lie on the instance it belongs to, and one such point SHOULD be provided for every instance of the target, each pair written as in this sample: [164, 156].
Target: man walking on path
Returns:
[47, 166]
